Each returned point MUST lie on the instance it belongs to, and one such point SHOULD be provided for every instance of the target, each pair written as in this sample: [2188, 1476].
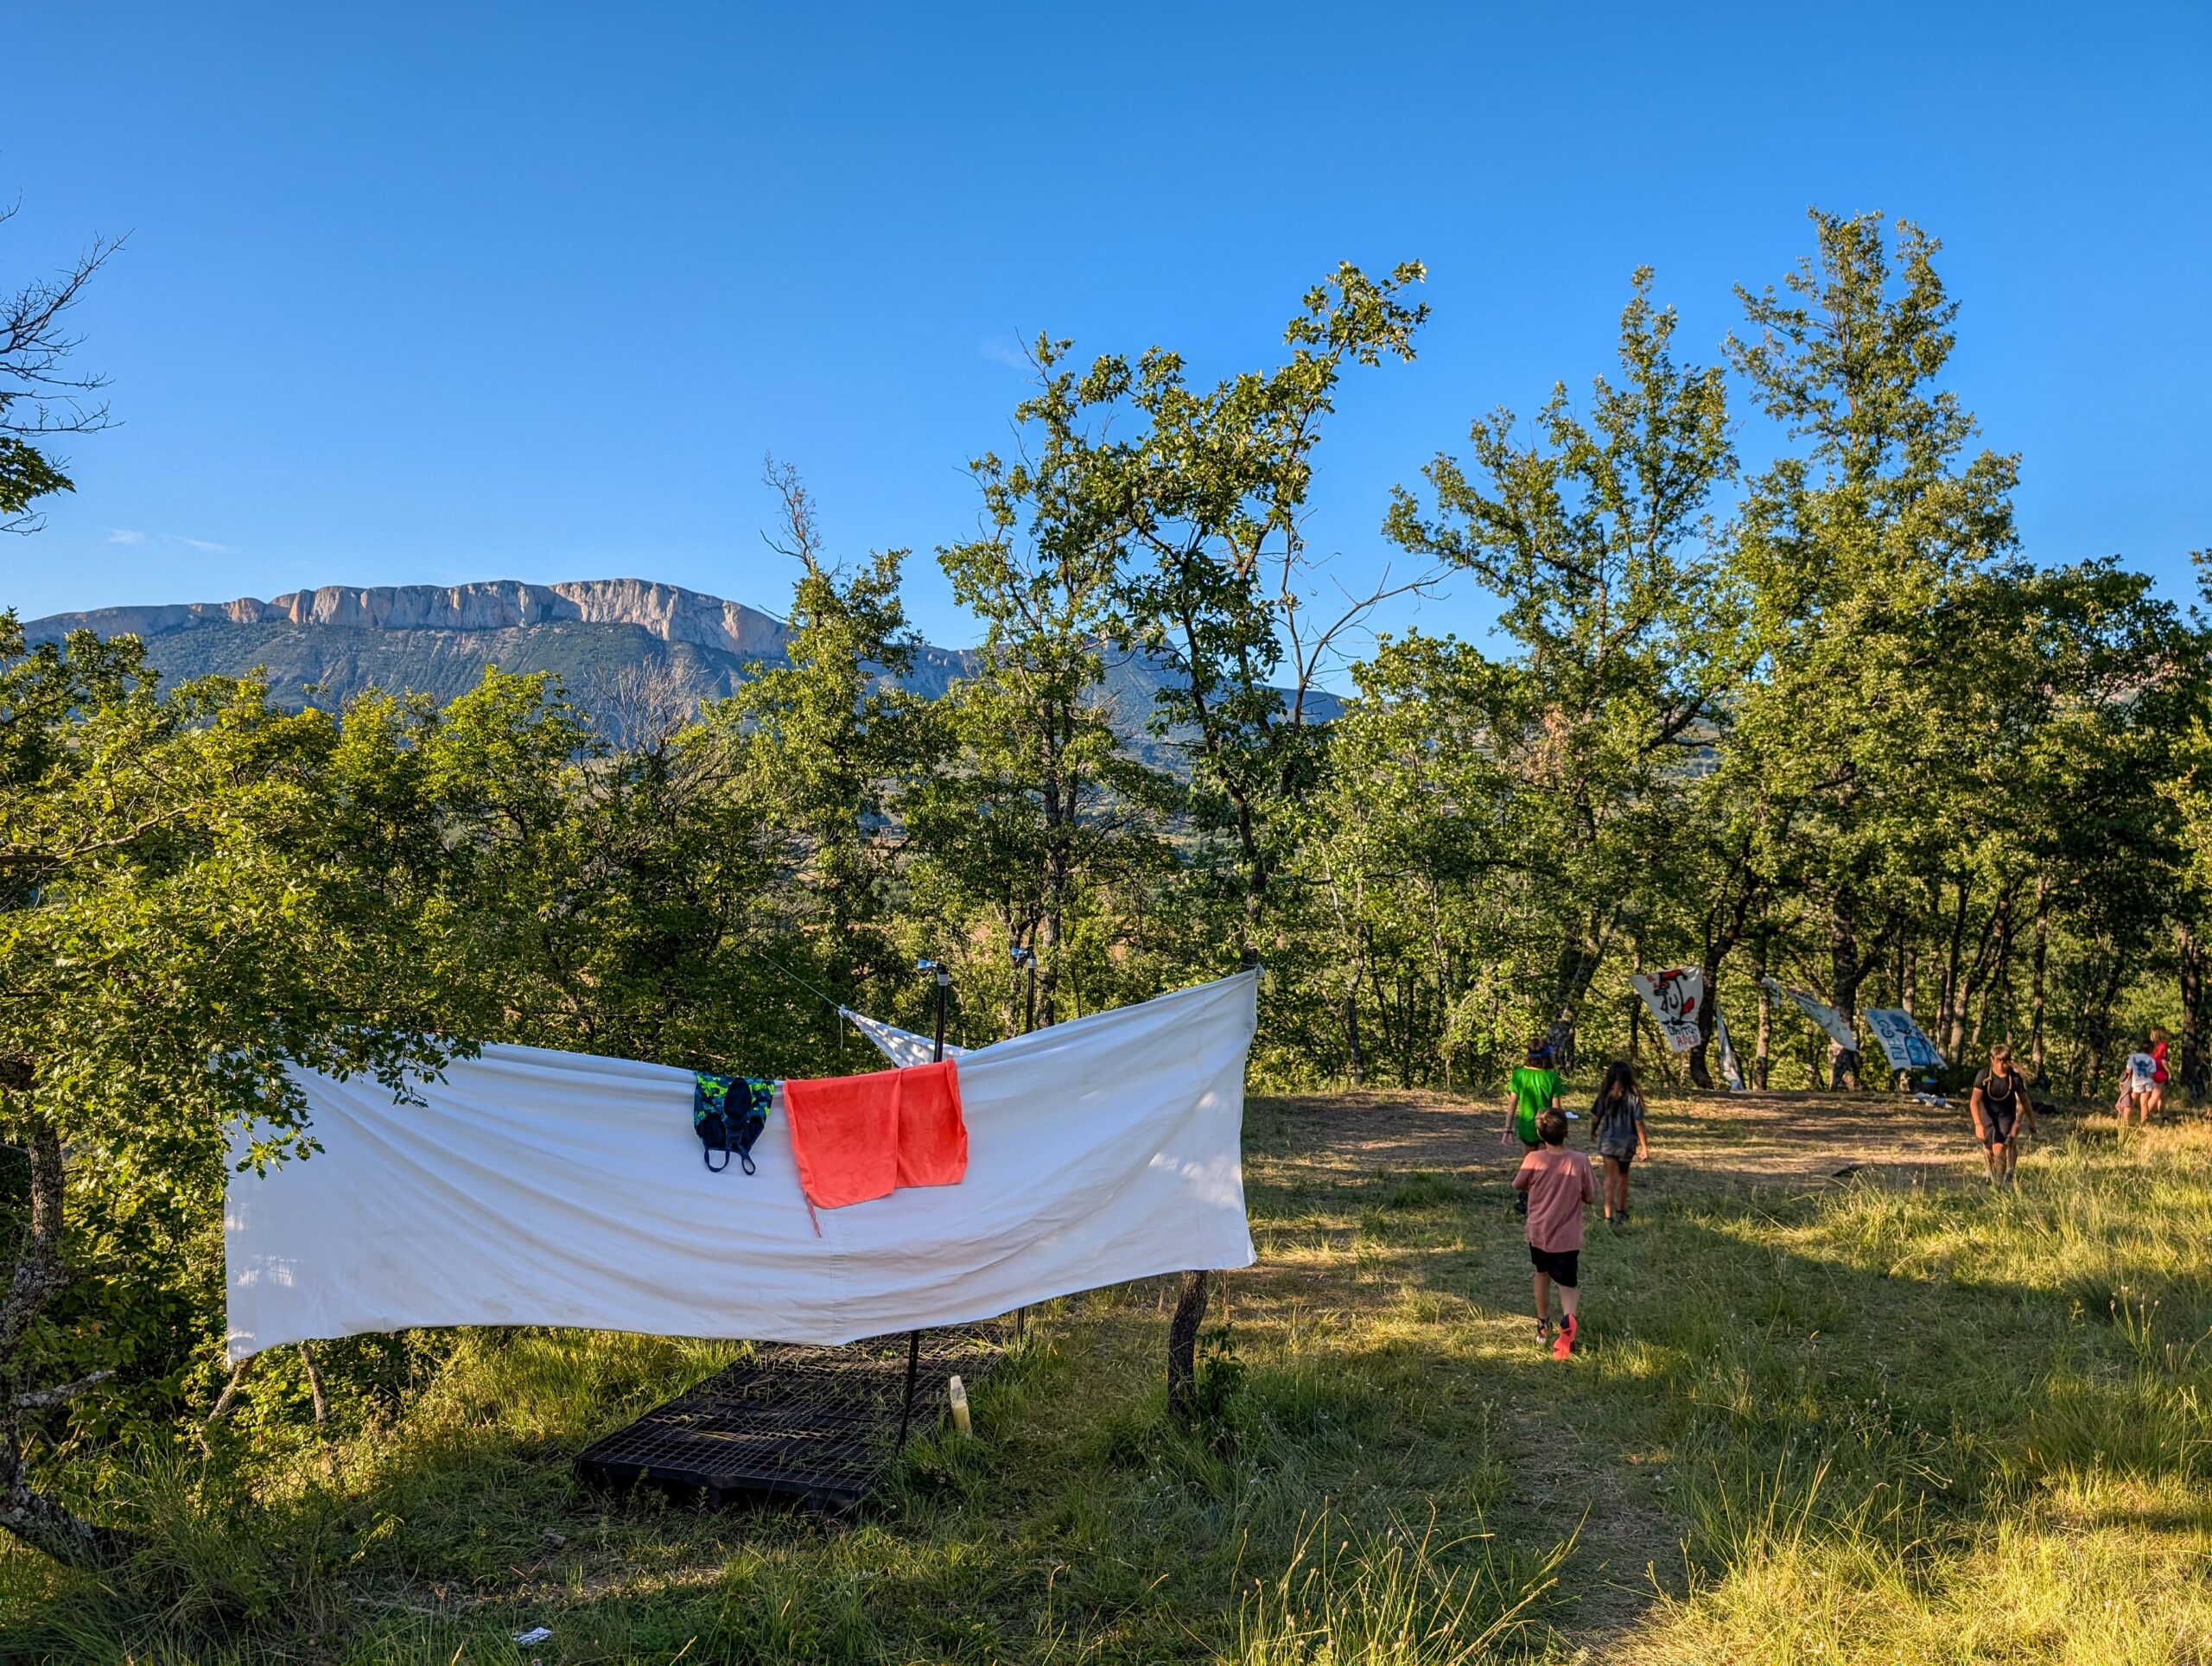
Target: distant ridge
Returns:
[667, 611]
[606, 639]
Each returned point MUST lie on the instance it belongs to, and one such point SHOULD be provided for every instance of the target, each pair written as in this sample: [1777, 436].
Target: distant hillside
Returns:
[618, 645]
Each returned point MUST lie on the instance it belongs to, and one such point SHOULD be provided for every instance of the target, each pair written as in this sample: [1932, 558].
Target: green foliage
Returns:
[1836, 729]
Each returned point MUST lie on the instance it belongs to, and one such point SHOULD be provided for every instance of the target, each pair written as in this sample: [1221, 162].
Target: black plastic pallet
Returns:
[820, 1425]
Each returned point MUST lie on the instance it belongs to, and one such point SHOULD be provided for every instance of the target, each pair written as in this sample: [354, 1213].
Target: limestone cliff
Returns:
[665, 611]
[324, 645]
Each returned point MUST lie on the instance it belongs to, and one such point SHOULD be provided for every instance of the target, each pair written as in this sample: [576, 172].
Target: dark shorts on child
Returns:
[1997, 1128]
[1560, 1264]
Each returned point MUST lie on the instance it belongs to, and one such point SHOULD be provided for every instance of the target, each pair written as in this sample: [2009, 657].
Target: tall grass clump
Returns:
[1393, 1599]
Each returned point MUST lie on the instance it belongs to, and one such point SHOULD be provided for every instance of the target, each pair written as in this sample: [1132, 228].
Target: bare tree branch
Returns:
[67, 1391]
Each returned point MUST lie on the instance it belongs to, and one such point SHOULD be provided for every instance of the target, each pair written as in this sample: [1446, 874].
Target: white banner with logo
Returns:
[1903, 1042]
[1676, 998]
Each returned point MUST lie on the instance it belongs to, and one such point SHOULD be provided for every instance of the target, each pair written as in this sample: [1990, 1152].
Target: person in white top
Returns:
[2137, 1086]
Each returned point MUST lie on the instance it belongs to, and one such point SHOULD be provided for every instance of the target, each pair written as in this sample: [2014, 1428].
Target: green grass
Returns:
[1840, 1423]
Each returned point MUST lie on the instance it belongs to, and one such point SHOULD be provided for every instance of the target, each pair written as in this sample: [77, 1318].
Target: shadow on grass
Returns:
[1894, 1367]
[1087, 1519]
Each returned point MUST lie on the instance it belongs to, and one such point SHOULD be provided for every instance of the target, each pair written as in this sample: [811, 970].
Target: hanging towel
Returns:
[858, 1137]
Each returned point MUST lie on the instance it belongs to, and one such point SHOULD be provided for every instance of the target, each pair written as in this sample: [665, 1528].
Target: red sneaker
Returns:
[1563, 1344]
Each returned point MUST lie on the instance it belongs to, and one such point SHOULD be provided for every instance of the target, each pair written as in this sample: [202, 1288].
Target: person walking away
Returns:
[1617, 1129]
[2137, 1077]
[1533, 1090]
[2002, 1112]
[1557, 1183]
[2158, 1075]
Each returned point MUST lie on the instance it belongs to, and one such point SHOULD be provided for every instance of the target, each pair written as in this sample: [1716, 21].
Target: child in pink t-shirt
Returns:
[1559, 1187]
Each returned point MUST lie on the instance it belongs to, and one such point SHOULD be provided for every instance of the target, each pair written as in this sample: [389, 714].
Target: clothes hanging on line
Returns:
[535, 1187]
[861, 1137]
[727, 1114]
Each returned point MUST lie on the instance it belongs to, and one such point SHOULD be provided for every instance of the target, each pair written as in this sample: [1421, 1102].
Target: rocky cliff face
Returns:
[661, 610]
[323, 646]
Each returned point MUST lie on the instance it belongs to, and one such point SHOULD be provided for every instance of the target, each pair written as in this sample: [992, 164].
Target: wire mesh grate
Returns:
[820, 1424]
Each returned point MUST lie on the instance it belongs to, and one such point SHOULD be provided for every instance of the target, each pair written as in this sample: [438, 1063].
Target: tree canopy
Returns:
[1823, 721]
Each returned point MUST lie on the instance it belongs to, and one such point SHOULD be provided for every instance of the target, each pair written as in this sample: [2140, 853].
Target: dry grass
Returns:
[1895, 1416]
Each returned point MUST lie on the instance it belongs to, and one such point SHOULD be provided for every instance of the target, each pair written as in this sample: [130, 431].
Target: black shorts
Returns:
[1563, 1265]
[1624, 1158]
[1997, 1130]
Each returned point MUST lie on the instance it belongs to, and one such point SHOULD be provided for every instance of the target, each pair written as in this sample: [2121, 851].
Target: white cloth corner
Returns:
[901, 1048]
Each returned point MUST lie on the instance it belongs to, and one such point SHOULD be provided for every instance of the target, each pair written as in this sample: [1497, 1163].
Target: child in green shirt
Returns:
[1534, 1090]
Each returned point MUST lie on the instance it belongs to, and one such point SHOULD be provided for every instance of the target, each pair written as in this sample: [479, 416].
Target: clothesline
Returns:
[534, 1187]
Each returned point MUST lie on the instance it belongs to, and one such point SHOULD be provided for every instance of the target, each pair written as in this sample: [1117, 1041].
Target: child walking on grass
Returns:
[1617, 1115]
[1557, 1183]
[1533, 1090]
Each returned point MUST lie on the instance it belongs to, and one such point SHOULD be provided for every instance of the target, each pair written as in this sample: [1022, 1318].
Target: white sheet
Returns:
[1826, 1016]
[901, 1048]
[1730, 1072]
[553, 1188]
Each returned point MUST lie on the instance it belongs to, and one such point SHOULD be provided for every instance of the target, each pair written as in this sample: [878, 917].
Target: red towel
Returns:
[858, 1137]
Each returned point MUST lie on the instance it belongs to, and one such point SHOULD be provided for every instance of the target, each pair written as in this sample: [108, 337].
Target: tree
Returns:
[40, 397]
[1420, 864]
[1853, 556]
[1219, 586]
[821, 747]
[1043, 807]
[1597, 537]
[200, 895]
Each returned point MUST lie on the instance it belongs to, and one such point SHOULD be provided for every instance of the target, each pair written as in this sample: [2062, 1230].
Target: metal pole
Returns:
[1025, 958]
[914, 1338]
[944, 983]
[906, 1406]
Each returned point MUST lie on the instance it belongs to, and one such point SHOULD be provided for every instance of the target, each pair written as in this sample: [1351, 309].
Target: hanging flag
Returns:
[1730, 1072]
[1827, 1017]
[1676, 998]
[1903, 1042]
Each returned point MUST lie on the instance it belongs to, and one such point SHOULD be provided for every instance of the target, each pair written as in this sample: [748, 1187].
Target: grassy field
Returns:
[1884, 1414]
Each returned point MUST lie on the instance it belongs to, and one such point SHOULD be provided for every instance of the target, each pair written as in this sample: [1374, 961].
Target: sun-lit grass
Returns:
[1859, 1421]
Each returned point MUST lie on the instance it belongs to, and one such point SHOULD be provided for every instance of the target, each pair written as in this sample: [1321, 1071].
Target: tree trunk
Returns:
[2100, 1025]
[2195, 970]
[1701, 1071]
[1844, 971]
[1996, 989]
[1354, 1051]
[2040, 957]
[1183, 1340]
[1950, 1021]
[1762, 1057]
[39, 1521]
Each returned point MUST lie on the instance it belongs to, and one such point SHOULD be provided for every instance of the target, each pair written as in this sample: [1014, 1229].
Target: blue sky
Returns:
[437, 293]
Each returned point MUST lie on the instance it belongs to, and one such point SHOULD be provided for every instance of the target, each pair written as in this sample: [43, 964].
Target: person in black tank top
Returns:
[2001, 1112]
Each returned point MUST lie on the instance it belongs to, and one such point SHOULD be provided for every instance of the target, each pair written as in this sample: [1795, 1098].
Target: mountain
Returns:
[625, 648]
